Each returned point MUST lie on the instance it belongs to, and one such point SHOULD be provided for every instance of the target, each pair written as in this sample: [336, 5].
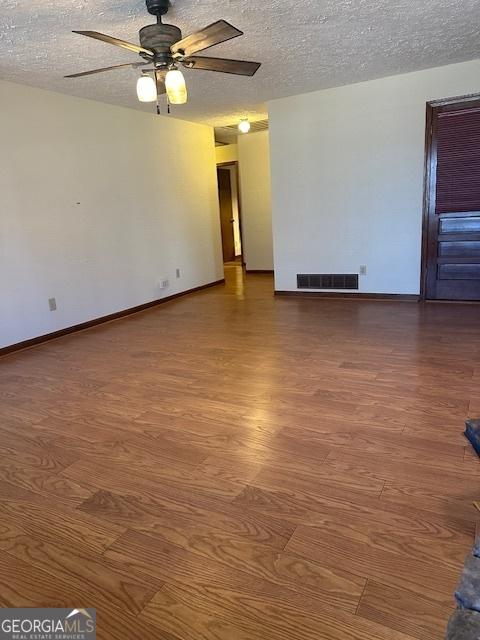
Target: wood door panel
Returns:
[462, 290]
[455, 271]
[458, 248]
[226, 214]
[463, 224]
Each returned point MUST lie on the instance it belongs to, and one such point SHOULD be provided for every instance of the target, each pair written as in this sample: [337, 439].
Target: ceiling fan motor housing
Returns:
[159, 37]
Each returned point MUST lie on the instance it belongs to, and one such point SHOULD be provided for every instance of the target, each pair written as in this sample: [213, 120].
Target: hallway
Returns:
[237, 466]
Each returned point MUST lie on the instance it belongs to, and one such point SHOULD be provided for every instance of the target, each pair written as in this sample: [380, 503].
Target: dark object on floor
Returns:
[467, 594]
[463, 625]
[472, 433]
[476, 548]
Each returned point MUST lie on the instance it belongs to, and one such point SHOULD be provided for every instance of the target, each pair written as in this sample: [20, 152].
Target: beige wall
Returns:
[99, 203]
[226, 153]
[255, 199]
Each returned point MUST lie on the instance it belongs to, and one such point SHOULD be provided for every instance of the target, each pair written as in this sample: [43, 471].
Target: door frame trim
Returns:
[235, 164]
[430, 167]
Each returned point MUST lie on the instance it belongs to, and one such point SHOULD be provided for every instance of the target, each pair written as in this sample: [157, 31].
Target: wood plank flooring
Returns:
[234, 466]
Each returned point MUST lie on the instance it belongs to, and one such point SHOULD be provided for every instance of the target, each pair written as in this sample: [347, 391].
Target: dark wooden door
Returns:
[453, 203]
[226, 214]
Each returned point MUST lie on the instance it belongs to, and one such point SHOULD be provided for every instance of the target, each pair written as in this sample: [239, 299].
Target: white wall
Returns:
[255, 200]
[347, 177]
[97, 204]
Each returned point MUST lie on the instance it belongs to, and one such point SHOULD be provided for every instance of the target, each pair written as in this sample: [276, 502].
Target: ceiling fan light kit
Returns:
[162, 46]
[146, 89]
[176, 86]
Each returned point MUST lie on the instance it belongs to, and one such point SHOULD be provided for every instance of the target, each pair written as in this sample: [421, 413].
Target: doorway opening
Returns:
[230, 212]
[451, 219]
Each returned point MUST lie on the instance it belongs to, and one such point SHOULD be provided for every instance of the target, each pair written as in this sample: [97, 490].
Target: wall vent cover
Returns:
[327, 281]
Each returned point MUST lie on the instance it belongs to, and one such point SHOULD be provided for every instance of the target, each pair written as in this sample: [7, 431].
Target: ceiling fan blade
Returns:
[238, 67]
[116, 66]
[119, 43]
[160, 80]
[215, 33]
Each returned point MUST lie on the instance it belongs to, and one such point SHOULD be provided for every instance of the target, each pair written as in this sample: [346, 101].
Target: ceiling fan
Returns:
[162, 46]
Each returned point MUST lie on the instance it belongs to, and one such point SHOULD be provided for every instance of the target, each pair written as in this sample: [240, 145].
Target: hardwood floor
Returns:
[230, 466]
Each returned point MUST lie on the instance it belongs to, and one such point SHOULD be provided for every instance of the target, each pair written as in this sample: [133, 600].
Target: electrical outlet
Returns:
[164, 283]
[178, 273]
[52, 304]
[363, 270]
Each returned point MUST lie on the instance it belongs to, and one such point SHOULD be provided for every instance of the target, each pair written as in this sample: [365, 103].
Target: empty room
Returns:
[239, 320]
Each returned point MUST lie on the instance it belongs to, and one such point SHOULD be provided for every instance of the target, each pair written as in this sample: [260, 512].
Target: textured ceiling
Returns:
[229, 134]
[308, 45]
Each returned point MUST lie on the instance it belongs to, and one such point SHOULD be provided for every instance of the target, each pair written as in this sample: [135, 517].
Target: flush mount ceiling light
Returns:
[244, 125]
[162, 46]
